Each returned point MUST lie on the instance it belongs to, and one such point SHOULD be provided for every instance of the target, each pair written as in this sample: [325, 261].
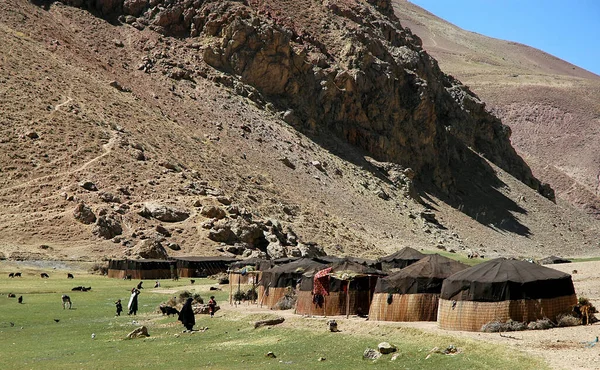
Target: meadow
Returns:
[36, 340]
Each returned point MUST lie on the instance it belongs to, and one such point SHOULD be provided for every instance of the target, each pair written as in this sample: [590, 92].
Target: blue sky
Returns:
[569, 30]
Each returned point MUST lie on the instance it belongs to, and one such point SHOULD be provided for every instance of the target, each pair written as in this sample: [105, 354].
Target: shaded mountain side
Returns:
[119, 141]
[345, 67]
[550, 104]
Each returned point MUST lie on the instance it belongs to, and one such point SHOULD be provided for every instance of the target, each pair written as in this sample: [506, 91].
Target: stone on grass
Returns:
[140, 332]
[386, 348]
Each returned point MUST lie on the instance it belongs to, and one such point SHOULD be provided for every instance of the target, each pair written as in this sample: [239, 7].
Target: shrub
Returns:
[564, 320]
[288, 301]
[583, 301]
[183, 295]
[497, 326]
[542, 324]
[99, 268]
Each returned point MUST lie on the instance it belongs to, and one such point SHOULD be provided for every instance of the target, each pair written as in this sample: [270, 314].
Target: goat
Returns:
[66, 301]
[70, 276]
[11, 275]
[81, 289]
[168, 310]
[17, 274]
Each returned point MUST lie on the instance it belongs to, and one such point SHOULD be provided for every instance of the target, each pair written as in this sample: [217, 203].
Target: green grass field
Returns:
[36, 341]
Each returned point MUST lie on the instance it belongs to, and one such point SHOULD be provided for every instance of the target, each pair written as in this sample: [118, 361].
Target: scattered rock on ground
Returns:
[386, 348]
[84, 214]
[371, 354]
[140, 332]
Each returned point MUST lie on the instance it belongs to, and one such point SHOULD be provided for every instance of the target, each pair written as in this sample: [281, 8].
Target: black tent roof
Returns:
[404, 254]
[302, 264]
[505, 279]
[282, 275]
[424, 276]
[140, 264]
[205, 258]
[353, 268]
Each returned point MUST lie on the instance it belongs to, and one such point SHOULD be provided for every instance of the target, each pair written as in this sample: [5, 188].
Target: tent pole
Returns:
[230, 289]
[347, 298]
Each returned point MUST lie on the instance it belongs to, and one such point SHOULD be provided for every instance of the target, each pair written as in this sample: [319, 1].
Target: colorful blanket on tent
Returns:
[321, 282]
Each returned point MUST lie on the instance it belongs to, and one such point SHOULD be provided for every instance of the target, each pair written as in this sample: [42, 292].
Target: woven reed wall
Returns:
[471, 316]
[275, 294]
[334, 303]
[243, 279]
[244, 283]
[140, 274]
[404, 307]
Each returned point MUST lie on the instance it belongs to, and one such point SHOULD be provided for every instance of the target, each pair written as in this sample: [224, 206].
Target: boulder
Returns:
[276, 250]
[287, 162]
[386, 348]
[134, 7]
[84, 214]
[107, 227]
[162, 230]
[222, 234]
[151, 249]
[213, 212]
[163, 212]
[140, 332]
[88, 185]
[109, 197]
[310, 250]
[371, 354]
[174, 246]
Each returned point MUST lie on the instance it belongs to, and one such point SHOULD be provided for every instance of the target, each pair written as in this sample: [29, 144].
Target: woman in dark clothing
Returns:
[133, 302]
[186, 315]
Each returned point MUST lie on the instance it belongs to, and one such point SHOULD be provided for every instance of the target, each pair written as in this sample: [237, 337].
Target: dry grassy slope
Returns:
[55, 70]
[550, 105]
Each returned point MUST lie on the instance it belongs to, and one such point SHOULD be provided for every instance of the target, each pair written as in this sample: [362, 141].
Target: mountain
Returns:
[550, 105]
[144, 128]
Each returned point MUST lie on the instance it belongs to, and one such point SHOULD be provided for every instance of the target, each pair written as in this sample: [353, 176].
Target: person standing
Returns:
[133, 302]
[119, 307]
[186, 315]
[212, 305]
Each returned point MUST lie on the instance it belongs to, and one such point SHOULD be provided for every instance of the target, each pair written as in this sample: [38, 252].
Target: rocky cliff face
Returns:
[343, 67]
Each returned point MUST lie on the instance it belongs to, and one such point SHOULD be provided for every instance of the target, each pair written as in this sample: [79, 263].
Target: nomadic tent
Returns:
[202, 266]
[276, 281]
[141, 269]
[412, 294]
[400, 259]
[345, 288]
[504, 289]
[245, 274]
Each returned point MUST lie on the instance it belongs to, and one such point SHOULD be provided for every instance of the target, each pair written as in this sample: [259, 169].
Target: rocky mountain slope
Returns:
[146, 128]
[550, 105]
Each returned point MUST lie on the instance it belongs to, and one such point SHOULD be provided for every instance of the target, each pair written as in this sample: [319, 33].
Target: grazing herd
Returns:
[66, 300]
[43, 275]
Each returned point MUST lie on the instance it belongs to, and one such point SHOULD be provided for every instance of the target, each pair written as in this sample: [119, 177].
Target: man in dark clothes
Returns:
[119, 307]
[133, 302]
[186, 315]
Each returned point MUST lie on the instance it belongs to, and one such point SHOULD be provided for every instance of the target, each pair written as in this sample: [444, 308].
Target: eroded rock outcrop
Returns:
[348, 67]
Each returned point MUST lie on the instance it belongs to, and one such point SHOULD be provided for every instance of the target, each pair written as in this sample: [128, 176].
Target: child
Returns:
[119, 307]
[211, 306]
